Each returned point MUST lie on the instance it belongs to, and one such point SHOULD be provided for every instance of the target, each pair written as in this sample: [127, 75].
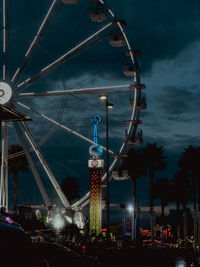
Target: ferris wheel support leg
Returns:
[35, 172]
[33, 144]
[5, 39]
[4, 167]
[50, 15]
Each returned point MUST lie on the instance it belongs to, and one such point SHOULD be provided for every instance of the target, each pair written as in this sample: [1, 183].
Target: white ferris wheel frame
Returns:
[22, 130]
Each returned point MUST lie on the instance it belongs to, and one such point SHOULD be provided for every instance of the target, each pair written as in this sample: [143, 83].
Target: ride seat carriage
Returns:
[120, 174]
[70, 1]
[129, 71]
[97, 15]
[137, 86]
[136, 140]
[117, 40]
[127, 53]
[141, 103]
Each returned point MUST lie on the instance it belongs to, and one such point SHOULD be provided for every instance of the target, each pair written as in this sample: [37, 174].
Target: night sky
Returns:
[168, 35]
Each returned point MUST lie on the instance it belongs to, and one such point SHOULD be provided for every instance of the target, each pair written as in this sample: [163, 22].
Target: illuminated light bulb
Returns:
[130, 208]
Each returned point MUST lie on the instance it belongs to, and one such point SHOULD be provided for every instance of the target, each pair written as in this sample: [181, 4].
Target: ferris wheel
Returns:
[54, 90]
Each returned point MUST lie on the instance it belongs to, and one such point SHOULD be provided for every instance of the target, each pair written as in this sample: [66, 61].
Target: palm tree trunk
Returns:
[178, 220]
[198, 212]
[162, 210]
[151, 207]
[195, 212]
[163, 221]
[15, 189]
[184, 225]
[134, 210]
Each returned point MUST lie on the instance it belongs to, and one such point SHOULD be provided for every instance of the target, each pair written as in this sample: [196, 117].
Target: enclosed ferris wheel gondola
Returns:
[117, 40]
[136, 139]
[138, 86]
[97, 15]
[135, 136]
[129, 53]
[119, 173]
[129, 70]
[141, 102]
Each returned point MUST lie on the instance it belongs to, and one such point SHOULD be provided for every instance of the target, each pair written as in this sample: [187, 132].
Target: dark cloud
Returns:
[157, 29]
[190, 120]
[162, 29]
[184, 140]
[177, 101]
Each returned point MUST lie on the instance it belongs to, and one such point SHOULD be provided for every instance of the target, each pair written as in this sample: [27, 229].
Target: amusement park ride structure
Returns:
[11, 94]
[96, 165]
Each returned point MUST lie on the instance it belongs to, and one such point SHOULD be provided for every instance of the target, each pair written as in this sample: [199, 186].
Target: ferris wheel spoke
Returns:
[35, 172]
[81, 91]
[17, 154]
[39, 144]
[84, 204]
[80, 201]
[4, 167]
[62, 126]
[47, 135]
[5, 39]
[44, 164]
[50, 15]
[60, 61]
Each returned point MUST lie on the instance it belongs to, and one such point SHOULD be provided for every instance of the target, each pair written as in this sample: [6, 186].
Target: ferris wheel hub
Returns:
[5, 93]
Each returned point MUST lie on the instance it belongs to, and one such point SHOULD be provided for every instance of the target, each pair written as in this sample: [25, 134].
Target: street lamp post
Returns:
[108, 106]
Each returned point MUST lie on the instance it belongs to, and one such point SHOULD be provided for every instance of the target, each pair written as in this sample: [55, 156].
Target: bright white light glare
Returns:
[58, 222]
[181, 263]
[78, 219]
[130, 208]
[68, 219]
[103, 97]
[110, 106]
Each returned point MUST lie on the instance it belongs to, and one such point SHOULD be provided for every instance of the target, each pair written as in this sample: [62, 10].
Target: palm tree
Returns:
[161, 189]
[182, 195]
[135, 166]
[15, 166]
[154, 161]
[70, 187]
[189, 164]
